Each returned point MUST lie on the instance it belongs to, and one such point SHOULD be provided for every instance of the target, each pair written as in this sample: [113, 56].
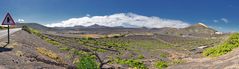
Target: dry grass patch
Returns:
[90, 35]
[19, 53]
[49, 54]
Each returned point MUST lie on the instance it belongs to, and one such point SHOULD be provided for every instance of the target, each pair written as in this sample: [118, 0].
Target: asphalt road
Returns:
[3, 33]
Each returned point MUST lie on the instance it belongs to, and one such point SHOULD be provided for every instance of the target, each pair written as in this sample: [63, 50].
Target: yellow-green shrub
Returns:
[161, 64]
[229, 45]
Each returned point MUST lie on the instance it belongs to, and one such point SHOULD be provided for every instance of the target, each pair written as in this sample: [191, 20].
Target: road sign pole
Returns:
[8, 20]
[8, 38]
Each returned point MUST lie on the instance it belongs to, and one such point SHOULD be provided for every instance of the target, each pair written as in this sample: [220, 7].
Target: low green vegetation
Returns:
[109, 43]
[87, 62]
[141, 57]
[134, 63]
[53, 42]
[164, 55]
[188, 43]
[224, 48]
[39, 34]
[161, 64]
[177, 61]
[134, 48]
[149, 44]
[31, 30]
[1, 27]
[65, 49]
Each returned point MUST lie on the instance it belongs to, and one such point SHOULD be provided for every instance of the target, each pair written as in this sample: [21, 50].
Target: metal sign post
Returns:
[8, 20]
[8, 34]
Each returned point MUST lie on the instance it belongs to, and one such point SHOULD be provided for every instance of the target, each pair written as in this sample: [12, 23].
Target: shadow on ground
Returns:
[4, 49]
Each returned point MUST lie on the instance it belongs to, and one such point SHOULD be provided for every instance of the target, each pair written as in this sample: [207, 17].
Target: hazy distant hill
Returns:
[199, 29]
[97, 26]
[34, 25]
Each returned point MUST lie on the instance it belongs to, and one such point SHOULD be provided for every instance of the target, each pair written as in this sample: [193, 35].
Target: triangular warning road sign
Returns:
[8, 20]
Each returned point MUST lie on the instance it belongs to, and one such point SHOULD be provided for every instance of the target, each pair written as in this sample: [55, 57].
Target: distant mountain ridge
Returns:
[34, 25]
[199, 29]
[97, 26]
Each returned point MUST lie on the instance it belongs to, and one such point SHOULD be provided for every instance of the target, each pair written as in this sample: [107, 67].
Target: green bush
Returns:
[31, 30]
[26, 28]
[132, 63]
[141, 57]
[161, 64]
[87, 63]
[229, 45]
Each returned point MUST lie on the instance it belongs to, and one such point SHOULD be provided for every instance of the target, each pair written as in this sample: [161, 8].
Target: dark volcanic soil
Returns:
[228, 61]
[21, 53]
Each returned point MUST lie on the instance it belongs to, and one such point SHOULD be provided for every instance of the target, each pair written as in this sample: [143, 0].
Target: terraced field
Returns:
[131, 51]
[148, 49]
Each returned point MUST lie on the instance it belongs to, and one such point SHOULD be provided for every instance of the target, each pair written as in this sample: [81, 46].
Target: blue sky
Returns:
[219, 14]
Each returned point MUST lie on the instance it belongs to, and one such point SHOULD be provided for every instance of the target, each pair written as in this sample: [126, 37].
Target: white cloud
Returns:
[88, 15]
[122, 19]
[215, 21]
[20, 20]
[224, 20]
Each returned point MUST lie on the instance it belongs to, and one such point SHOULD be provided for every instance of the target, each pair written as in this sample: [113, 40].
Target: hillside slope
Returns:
[24, 52]
[228, 61]
[197, 30]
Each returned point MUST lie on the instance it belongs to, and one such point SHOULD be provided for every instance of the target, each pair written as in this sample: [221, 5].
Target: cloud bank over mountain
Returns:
[129, 20]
